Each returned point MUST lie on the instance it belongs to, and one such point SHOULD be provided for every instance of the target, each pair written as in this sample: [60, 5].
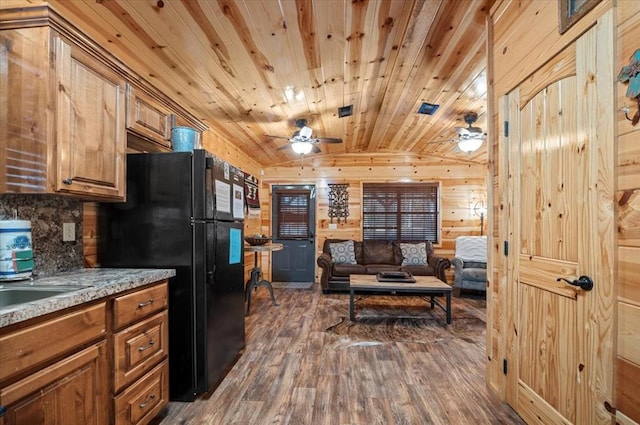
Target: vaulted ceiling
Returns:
[250, 68]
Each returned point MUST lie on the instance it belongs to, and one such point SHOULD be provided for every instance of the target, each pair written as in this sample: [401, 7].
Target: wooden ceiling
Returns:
[249, 68]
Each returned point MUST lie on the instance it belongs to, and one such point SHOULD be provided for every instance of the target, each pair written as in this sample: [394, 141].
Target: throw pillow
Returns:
[415, 254]
[343, 252]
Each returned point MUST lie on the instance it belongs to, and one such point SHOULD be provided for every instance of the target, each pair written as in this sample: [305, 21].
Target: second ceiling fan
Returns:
[301, 141]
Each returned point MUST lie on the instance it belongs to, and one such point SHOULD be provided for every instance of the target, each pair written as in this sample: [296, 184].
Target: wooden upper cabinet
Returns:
[62, 118]
[91, 137]
[147, 117]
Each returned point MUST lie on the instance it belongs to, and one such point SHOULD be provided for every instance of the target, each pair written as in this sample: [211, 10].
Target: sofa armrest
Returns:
[325, 263]
[458, 265]
[439, 264]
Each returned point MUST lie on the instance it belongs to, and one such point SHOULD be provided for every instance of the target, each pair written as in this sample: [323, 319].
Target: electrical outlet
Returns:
[68, 232]
[333, 226]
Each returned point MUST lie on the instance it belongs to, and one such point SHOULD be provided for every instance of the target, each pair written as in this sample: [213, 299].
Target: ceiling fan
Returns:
[301, 141]
[469, 138]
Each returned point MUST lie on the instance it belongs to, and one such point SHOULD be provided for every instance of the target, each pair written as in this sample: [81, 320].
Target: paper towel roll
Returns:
[16, 251]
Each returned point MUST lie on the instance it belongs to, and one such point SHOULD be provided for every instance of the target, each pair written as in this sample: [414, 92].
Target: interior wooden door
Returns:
[560, 136]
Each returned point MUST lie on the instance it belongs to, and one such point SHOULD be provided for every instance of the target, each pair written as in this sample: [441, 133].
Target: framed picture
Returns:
[572, 10]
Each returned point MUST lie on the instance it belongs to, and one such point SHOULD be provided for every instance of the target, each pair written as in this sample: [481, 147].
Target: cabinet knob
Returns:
[146, 303]
[67, 181]
[147, 401]
[145, 347]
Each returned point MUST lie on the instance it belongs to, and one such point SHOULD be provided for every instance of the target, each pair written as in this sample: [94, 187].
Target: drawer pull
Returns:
[145, 347]
[147, 401]
[146, 303]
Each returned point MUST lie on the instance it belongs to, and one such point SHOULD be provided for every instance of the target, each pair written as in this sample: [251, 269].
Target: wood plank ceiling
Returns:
[249, 68]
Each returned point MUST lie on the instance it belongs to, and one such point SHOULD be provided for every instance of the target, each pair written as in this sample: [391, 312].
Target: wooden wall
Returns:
[461, 187]
[628, 197]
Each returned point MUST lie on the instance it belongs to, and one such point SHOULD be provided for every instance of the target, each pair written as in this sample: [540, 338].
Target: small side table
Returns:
[256, 274]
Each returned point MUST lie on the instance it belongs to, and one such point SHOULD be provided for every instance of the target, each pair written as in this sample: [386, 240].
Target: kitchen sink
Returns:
[13, 294]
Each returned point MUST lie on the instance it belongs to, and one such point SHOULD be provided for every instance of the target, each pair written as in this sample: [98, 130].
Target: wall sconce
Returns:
[338, 201]
[480, 210]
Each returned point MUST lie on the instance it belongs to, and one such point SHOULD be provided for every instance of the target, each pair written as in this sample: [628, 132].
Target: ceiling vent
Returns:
[345, 111]
[428, 108]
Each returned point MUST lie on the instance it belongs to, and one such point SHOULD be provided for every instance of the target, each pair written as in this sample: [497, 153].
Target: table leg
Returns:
[352, 313]
[270, 288]
[254, 282]
[448, 295]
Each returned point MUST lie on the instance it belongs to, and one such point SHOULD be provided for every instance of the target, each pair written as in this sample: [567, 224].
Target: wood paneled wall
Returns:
[461, 187]
[628, 197]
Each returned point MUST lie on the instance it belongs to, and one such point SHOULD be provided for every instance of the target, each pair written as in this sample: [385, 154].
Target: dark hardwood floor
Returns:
[293, 371]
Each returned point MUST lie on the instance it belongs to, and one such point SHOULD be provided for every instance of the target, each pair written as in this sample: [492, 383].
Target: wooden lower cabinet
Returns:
[140, 354]
[72, 391]
[96, 364]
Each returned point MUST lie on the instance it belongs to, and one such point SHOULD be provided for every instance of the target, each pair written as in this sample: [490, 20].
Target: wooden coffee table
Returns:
[429, 286]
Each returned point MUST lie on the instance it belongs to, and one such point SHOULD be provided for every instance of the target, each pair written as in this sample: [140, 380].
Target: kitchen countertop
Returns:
[99, 283]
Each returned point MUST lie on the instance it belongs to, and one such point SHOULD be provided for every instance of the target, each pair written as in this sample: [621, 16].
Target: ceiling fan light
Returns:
[302, 148]
[469, 145]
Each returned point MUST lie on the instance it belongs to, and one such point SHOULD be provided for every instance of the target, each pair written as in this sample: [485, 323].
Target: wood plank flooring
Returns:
[294, 372]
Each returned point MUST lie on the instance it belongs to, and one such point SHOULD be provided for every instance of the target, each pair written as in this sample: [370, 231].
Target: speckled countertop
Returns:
[96, 283]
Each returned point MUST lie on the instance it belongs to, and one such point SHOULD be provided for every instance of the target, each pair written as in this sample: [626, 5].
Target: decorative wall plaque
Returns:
[338, 202]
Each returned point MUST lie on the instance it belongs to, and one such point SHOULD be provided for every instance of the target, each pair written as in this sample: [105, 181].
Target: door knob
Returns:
[583, 282]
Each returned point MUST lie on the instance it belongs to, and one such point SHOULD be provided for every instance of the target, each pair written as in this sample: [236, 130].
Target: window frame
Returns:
[438, 197]
[308, 194]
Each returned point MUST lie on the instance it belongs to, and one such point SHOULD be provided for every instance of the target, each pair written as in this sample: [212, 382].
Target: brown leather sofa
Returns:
[373, 256]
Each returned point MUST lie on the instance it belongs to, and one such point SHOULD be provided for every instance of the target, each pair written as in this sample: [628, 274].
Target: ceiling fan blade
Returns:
[315, 149]
[277, 137]
[328, 140]
[283, 147]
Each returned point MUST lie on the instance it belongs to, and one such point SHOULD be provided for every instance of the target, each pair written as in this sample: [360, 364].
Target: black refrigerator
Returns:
[184, 210]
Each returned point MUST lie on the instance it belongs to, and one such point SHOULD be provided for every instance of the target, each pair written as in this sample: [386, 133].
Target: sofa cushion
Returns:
[418, 270]
[376, 268]
[343, 252]
[348, 269]
[473, 274]
[414, 254]
[379, 252]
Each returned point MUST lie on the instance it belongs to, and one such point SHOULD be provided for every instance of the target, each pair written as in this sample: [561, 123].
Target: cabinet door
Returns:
[71, 392]
[148, 117]
[90, 124]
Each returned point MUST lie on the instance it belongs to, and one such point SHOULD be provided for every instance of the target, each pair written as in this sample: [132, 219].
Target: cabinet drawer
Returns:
[138, 348]
[143, 400]
[137, 305]
[30, 347]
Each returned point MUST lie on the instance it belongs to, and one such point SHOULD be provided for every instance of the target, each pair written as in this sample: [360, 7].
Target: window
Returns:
[401, 211]
[292, 207]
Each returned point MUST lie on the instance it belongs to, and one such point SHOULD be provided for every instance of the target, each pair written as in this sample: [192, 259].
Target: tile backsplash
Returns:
[47, 213]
